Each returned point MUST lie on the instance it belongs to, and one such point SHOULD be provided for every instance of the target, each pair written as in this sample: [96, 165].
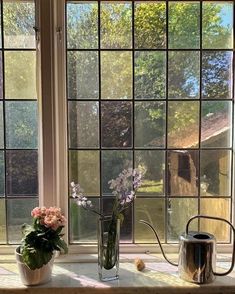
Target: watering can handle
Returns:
[220, 219]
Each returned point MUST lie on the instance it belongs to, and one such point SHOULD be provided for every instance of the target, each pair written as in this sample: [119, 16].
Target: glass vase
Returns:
[108, 248]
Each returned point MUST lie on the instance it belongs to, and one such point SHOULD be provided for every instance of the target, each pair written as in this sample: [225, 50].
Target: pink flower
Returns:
[36, 212]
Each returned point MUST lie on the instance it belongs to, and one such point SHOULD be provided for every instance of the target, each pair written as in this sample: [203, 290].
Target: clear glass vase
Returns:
[108, 248]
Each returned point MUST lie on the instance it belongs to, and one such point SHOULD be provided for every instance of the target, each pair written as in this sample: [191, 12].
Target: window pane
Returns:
[150, 25]
[149, 124]
[116, 75]
[183, 118]
[183, 173]
[82, 25]
[215, 173]
[183, 75]
[184, 25]
[1, 127]
[178, 212]
[113, 162]
[152, 211]
[83, 223]
[116, 124]
[21, 125]
[116, 25]
[82, 71]
[2, 221]
[217, 75]
[84, 168]
[1, 74]
[22, 173]
[218, 208]
[150, 75]
[18, 213]
[152, 165]
[216, 124]
[217, 25]
[20, 75]
[19, 21]
[83, 124]
[2, 174]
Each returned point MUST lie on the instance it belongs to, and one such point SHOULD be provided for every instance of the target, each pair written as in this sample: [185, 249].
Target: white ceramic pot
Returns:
[33, 277]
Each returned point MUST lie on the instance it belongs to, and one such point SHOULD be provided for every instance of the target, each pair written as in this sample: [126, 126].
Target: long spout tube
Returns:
[160, 245]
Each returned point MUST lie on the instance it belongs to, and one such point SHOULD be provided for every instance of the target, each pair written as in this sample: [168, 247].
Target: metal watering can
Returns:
[197, 253]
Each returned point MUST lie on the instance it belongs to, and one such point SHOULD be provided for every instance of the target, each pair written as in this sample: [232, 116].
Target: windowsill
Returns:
[72, 277]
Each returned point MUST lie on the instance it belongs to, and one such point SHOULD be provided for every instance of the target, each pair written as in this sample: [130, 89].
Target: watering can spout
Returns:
[160, 245]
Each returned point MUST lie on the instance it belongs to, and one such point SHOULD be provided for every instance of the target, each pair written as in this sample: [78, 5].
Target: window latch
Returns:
[37, 33]
[59, 33]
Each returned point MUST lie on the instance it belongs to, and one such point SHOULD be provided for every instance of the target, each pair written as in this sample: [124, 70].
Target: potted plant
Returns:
[35, 255]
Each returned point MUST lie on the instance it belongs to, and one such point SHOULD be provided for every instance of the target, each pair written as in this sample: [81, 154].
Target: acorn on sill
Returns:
[140, 265]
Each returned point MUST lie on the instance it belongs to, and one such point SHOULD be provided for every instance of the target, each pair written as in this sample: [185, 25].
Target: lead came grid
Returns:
[150, 85]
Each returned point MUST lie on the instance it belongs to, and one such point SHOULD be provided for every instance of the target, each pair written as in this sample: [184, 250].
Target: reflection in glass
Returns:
[183, 124]
[219, 208]
[150, 25]
[83, 124]
[83, 223]
[149, 124]
[19, 22]
[18, 213]
[116, 75]
[82, 70]
[82, 25]
[182, 173]
[22, 173]
[217, 25]
[116, 124]
[21, 125]
[151, 163]
[2, 174]
[113, 162]
[152, 211]
[116, 24]
[179, 212]
[84, 168]
[183, 75]
[184, 25]
[150, 75]
[216, 124]
[1, 127]
[2, 222]
[217, 75]
[20, 74]
[215, 173]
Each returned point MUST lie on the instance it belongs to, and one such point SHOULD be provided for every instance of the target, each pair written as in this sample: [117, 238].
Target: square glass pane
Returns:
[217, 75]
[183, 74]
[152, 211]
[116, 75]
[2, 174]
[18, 213]
[150, 124]
[215, 173]
[2, 222]
[1, 127]
[184, 25]
[18, 24]
[126, 227]
[83, 223]
[20, 75]
[22, 173]
[183, 124]
[150, 25]
[82, 25]
[1, 73]
[178, 213]
[84, 168]
[150, 75]
[219, 208]
[217, 25]
[183, 173]
[113, 163]
[152, 165]
[21, 125]
[216, 124]
[82, 71]
[116, 124]
[83, 124]
[115, 18]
